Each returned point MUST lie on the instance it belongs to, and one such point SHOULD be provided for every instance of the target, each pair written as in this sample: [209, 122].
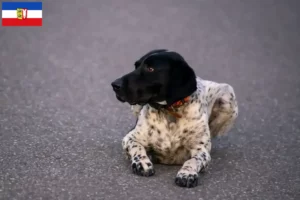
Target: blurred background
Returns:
[61, 126]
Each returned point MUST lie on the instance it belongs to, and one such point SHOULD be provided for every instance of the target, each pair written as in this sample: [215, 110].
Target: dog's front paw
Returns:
[187, 179]
[142, 166]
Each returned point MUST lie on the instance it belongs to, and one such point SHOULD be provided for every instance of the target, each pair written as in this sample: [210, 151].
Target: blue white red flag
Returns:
[22, 14]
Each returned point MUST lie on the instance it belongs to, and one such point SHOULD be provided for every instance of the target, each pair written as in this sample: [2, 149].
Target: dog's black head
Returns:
[160, 75]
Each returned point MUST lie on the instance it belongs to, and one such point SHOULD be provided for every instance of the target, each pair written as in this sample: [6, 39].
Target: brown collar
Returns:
[177, 104]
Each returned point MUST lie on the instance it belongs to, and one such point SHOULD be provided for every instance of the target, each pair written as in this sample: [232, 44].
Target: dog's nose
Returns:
[117, 85]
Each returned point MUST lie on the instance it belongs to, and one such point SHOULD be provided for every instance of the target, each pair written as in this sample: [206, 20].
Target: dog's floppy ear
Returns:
[139, 62]
[182, 82]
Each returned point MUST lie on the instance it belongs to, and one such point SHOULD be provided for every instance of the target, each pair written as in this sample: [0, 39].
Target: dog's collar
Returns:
[180, 102]
[172, 108]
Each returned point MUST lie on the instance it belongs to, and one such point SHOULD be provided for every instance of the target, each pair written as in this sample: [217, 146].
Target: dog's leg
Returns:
[141, 164]
[187, 176]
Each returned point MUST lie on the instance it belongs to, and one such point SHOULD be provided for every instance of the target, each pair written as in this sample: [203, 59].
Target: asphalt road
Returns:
[61, 126]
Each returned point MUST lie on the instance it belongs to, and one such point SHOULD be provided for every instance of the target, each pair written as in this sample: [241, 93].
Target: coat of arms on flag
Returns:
[22, 14]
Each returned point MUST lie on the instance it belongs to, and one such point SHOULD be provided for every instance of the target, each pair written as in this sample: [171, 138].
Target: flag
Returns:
[22, 14]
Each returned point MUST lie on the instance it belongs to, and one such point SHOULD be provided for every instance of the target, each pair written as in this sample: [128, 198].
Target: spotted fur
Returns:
[211, 111]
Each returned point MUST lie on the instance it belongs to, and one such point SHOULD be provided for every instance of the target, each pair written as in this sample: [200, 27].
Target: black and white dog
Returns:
[178, 114]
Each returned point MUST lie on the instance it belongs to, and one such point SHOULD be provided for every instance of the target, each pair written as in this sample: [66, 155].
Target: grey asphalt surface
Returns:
[61, 126]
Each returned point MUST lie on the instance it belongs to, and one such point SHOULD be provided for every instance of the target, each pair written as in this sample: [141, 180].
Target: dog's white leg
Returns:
[141, 164]
[187, 176]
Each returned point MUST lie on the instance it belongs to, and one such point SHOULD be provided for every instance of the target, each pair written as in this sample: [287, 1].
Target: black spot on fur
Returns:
[185, 130]
[201, 142]
[134, 146]
[197, 158]
[158, 131]
[160, 140]
[203, 155]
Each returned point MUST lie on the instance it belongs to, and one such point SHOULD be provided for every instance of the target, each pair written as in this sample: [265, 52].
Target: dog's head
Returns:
[159, 75]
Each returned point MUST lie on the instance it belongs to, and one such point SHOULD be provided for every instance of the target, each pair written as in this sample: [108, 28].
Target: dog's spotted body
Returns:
[159, 136]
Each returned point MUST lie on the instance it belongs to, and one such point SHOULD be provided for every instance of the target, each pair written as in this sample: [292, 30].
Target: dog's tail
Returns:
[224, 112]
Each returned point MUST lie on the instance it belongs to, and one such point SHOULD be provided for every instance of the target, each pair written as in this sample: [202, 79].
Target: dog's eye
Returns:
[149, 69]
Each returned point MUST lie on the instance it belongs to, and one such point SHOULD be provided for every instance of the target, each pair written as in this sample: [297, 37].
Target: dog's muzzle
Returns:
[118, 88]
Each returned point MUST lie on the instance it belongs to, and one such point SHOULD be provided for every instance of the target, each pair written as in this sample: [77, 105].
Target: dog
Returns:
[177, 115]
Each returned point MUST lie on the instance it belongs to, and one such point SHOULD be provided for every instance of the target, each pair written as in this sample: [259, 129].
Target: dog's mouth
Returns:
[140, 102]
[120, 99]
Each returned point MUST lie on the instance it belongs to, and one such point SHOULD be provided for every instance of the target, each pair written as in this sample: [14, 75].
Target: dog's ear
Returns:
[182, 82]
[139, 62]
